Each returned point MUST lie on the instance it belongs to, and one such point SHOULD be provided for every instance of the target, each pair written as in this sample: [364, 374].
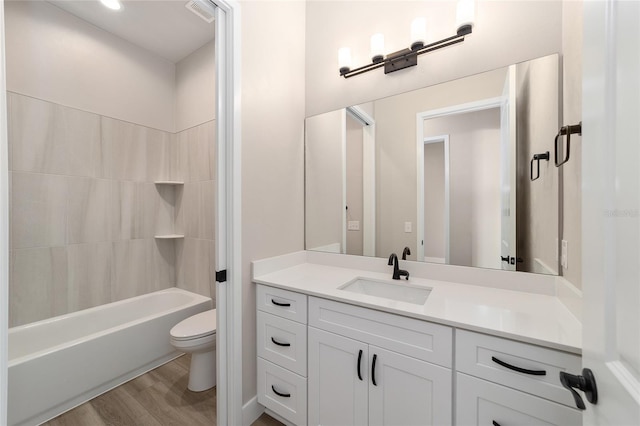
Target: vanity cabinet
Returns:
[360, 371]
[326, 362]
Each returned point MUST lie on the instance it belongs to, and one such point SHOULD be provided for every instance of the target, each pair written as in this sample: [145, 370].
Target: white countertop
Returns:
[540, 319]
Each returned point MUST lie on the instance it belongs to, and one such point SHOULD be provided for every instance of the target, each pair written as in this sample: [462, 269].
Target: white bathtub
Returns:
[59, 363]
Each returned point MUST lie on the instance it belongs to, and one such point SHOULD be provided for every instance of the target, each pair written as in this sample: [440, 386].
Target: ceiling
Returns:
[164, 27]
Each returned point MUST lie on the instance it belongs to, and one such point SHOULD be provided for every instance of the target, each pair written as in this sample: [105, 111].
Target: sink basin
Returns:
[388, 290]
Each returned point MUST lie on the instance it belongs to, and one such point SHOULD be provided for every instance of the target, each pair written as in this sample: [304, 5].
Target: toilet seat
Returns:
[195, 327]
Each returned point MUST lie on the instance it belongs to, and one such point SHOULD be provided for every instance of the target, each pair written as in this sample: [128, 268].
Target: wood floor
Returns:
[157, 398]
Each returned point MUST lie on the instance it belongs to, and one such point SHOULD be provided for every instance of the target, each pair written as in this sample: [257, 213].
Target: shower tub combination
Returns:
[59, 363]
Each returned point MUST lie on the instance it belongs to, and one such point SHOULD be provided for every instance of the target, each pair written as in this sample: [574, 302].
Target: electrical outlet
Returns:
[564, 255]
[353, 225]
[407, 227]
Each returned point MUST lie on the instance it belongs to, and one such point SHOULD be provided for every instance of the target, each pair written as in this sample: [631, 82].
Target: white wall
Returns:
[273, 90]
[196, 88]
[506, 32]
[434, 200]
[63, 59]
[354, 194]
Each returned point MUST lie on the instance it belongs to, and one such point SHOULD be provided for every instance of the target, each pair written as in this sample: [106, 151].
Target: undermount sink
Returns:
[387, 290]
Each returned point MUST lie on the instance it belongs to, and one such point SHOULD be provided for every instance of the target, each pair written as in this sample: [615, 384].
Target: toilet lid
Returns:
[199, 325]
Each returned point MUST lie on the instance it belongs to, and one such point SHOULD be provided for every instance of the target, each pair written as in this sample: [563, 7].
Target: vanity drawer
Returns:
[283, 392]
[409, 336]
[480, 402]
[283, 303]
[283, 342]
[480, 355]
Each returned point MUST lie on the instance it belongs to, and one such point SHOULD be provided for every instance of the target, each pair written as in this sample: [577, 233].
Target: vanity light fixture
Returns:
[465, 14]
[112, 4]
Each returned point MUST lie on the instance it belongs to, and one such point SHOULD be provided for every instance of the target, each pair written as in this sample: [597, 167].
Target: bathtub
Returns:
[61, 362]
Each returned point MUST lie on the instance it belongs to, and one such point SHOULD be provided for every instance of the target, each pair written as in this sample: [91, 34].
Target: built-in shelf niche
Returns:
[176, 186]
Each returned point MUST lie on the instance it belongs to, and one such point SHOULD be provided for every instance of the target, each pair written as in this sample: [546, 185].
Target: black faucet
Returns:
[406, 252]
[397, 272]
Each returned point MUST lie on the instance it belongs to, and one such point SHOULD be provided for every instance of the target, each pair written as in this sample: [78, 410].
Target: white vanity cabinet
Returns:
[364, 368]
[503, 382]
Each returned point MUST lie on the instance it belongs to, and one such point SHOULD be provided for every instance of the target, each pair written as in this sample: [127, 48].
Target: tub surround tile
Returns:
[38, 210]
[196, 152]
[126, 210]
[88, 213]
[129, 269]
[65, 141]
[194, 260]
[89, 275]
[38, 286]
[159, 209]
[161, 264]
[158, 154]
[127, 150]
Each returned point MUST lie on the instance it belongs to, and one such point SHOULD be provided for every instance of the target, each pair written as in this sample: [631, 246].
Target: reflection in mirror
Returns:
[444, 171]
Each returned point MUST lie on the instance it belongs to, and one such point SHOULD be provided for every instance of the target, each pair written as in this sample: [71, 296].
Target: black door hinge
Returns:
[221, 276]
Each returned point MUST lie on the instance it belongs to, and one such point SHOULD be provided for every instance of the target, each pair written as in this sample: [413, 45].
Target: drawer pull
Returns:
[373, 370]
[280, 304]
[359, 362]
[284, 395]
[495, 423]
[280, 344]
[518, 369]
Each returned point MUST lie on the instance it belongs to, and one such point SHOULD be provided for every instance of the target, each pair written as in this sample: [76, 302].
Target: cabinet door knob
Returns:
[373, 370]
[518, 369]
[284, 395]
[280, 344]
[359, 362]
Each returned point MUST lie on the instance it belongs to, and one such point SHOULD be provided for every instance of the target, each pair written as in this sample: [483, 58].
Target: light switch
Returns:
[407, 227]
[564, 255]
[353, 225]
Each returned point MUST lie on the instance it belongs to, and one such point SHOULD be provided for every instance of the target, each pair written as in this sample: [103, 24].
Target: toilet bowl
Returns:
[197, 335]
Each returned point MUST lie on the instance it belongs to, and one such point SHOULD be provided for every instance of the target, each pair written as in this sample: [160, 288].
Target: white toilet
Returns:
[197, 335]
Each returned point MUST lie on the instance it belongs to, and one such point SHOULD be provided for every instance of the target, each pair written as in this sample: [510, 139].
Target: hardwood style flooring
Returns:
[157, 398]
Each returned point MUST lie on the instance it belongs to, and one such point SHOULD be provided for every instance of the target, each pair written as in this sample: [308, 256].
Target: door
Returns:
[407, 391]
[610, 209]
[508, 171]
[337, 393]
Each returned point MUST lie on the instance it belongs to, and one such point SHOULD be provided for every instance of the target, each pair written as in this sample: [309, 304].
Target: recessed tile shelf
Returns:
[168, 182]
[169, 236]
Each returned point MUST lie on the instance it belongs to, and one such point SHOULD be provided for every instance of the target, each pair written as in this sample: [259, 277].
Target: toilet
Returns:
[197, 335]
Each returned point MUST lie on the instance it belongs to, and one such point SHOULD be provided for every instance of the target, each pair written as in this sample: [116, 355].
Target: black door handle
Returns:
[280, 304]
[373, 370]
[504, 258]
[284, 395]
[359, 362]
[495, 423]
[519, 369]
[586, 383]
[280, 344]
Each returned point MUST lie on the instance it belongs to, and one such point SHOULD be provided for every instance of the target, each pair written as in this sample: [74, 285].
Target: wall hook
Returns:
[537, 158]
[568, 131]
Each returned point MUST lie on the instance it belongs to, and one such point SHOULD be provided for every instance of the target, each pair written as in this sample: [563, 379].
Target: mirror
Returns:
[445, 172]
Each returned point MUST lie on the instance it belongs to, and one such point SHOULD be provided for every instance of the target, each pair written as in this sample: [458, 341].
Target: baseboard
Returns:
[251, 411]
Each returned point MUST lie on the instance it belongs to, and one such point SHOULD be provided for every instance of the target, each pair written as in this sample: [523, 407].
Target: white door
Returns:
[508, 171]
[611, 210]
[407, 391]
[337, 393]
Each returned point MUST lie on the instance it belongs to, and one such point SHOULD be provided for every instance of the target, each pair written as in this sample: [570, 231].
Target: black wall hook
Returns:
[568, 131]
[537, 158]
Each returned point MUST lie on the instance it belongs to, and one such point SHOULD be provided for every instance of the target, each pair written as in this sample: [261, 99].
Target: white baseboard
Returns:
[251, 411]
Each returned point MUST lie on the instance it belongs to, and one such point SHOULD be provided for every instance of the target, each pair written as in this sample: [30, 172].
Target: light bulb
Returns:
[377, 48]
[112, 4]
[344, 59]
[418, 33]
[465, 16]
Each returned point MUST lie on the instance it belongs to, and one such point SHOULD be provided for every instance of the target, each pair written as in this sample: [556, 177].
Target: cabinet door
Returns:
[407, 391]
[480, 403]
[337, 395]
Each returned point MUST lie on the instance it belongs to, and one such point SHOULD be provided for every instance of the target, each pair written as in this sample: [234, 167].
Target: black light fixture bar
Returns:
[407, 58]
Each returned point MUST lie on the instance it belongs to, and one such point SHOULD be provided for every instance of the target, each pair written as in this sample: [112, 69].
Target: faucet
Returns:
[397, 272]
[406, 252]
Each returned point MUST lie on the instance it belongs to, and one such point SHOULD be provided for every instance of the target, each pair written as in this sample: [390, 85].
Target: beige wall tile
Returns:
[38, 210]
[89, 275]
[129, 274]
[126, 210]
[126, 147]
[159, 209]
[88, 210]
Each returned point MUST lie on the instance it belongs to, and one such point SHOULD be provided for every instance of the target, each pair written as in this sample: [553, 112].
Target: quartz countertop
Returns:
[539, 319]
